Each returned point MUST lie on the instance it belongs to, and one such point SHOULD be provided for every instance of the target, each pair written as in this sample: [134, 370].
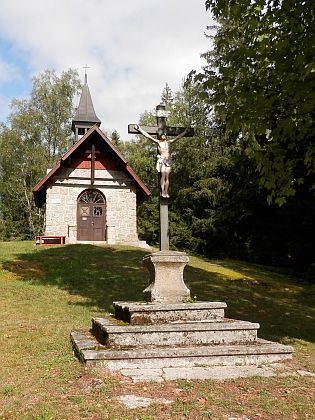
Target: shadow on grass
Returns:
[101, 275]
[98, 274]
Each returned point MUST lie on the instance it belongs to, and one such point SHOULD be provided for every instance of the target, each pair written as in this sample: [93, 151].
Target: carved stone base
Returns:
[166, 277]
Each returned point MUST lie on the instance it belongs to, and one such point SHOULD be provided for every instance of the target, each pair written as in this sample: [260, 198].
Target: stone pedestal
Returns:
[166, 277]
[165, 338]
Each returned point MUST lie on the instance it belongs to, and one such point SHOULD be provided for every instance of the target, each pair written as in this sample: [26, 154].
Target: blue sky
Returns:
[132, 48]
[15, 78]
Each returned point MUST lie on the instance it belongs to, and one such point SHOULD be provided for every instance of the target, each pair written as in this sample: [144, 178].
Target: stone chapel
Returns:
[91, 195]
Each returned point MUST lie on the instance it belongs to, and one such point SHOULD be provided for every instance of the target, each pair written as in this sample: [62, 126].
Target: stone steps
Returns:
[261, 352]
[225, 331]
[141, 313]
[158, 341]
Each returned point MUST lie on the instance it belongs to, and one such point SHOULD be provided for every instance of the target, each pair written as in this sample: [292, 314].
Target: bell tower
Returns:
[85, 116]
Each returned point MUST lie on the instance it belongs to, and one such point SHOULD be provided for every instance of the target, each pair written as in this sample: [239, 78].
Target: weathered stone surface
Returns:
[143, 375]
[218, 372]
[84, 341]
[258, 353]
[215, 332]
[212, 348]
[180, 359]
[141, 313]
[166, 276]
[214, 373]
[134, 401]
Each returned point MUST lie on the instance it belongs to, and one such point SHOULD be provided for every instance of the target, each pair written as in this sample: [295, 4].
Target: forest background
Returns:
[243, 187]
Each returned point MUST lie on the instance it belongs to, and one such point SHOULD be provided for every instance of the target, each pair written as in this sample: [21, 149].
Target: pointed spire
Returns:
[85, 116]
[85, 111]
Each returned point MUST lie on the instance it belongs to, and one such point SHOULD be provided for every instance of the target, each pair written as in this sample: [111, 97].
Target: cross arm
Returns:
[177, 131]
[170, 131]
[149, 129]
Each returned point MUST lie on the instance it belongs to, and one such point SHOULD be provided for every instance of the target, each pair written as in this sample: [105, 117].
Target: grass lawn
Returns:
[48, 291]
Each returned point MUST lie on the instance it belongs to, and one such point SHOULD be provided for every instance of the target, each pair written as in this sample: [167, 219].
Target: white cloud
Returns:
[8, 72]
[132, 48]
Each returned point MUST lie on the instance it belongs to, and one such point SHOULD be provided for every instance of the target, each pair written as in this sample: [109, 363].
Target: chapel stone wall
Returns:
[120, 195]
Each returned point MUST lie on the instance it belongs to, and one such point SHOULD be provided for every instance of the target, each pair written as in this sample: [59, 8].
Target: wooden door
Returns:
[91, 211]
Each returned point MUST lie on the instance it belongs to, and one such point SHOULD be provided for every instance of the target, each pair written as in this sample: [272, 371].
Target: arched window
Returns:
[91, 196]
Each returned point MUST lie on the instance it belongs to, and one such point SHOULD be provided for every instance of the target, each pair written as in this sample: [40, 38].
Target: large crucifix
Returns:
[162, 132]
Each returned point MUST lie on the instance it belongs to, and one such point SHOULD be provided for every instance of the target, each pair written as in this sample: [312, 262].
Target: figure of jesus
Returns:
[163, 164]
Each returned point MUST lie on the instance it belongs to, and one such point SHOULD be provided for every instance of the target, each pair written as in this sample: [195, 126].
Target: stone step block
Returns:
[199, 373]
[142, 313]
[177, 334]
[261, 352]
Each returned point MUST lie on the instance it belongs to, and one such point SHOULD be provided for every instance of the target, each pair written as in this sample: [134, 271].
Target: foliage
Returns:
[21, 161]
[218, 206]
[115, 138]
[49, 110]
[38, 134]
[259, 79]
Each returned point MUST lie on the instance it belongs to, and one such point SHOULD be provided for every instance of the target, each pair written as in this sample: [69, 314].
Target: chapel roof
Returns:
[97, 135]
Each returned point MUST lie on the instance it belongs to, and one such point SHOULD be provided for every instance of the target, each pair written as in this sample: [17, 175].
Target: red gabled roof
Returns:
[39, 191]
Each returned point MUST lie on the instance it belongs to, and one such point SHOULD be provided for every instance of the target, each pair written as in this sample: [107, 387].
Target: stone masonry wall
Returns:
[120, 196]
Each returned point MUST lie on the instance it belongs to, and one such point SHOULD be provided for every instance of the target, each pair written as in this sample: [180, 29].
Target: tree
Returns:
[218, 205]
[115, 138]
[52, 98]
[21, 163]
[259, 79]
[37, 135]
[167, 97]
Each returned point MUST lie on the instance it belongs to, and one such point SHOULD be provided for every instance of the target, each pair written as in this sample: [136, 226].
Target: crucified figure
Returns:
[163, 164]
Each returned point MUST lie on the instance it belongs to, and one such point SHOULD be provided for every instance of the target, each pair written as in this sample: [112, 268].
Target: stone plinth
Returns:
[154, 341]
[226, 331]
[166, 276]
[89, 351]
[143, 313]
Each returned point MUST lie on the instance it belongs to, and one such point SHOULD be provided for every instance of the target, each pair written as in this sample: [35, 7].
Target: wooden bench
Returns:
[50, 240]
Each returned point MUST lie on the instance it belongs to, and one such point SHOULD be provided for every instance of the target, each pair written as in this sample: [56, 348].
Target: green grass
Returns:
[48, 291]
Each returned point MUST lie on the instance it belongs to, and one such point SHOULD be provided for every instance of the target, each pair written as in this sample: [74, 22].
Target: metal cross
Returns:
[85, 73]
[162, 129]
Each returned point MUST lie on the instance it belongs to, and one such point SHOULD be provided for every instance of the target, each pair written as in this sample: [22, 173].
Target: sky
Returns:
[132, 48]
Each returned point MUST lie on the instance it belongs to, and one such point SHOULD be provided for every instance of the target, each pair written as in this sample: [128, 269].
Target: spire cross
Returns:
[85, 73]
